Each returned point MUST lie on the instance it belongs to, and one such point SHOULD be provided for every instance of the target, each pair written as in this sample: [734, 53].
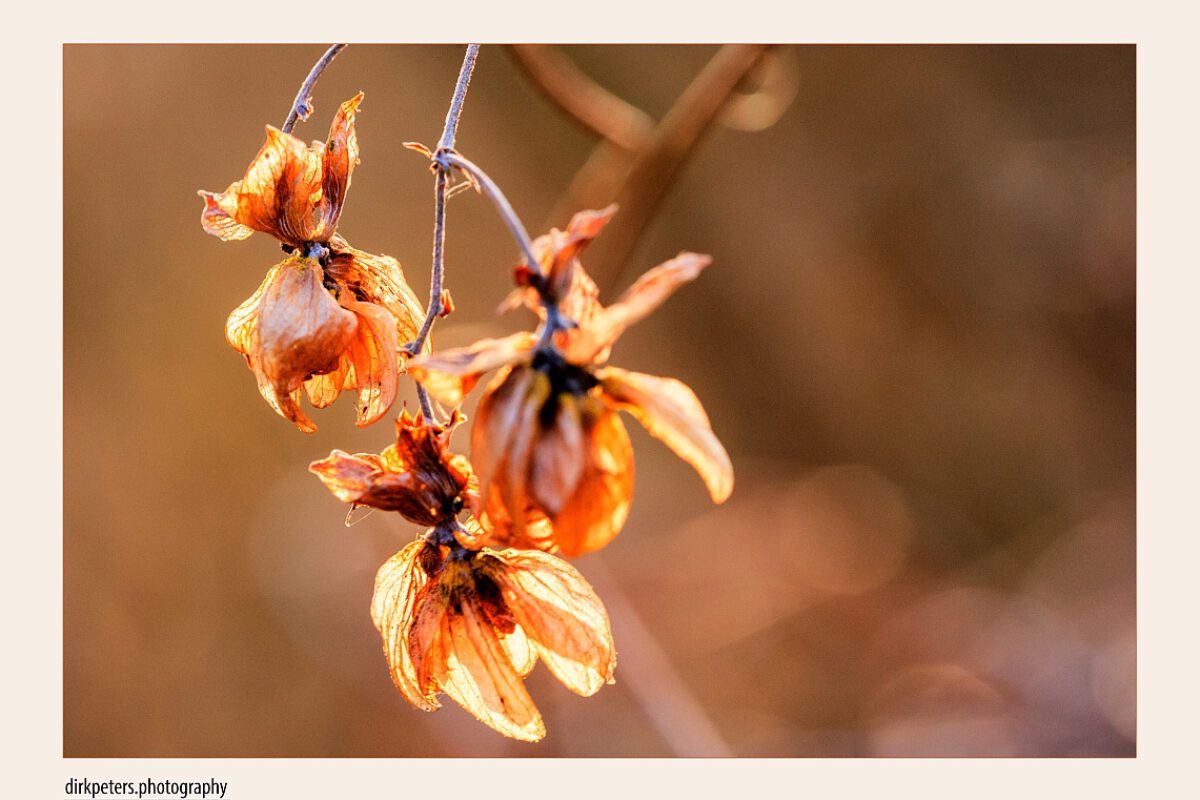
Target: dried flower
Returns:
[459, 619]
[472, 624]
[329, 317]
[417, 476]
[554, 459]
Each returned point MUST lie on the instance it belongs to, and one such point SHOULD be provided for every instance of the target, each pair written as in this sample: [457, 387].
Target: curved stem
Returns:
[302, 105]
[451, 159]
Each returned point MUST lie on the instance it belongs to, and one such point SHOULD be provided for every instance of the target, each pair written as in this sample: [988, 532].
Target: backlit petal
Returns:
[558, 457]
[290, 329]
[583, 227]
[560, 613]
[672, 413]
[597, 333]
[348, 477]
[480, 677]
[339, 156]
[217, 216]
[372, 353]
[450, 374]
[599, 506]
[397, 585]
[379, 280]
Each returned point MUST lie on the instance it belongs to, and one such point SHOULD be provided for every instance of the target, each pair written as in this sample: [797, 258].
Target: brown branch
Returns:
[639, 179]
[302, 105]
[589, 103]
[639, 185]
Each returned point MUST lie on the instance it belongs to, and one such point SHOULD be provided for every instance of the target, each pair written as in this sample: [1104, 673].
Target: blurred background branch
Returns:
[636, 162]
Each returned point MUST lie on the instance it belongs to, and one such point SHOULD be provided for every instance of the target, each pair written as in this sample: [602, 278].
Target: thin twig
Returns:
[460, 94]
[437, 271]
[302, 105]
[589, 103]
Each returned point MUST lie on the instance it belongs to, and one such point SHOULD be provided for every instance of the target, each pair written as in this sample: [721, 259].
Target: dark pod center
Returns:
[565, 378]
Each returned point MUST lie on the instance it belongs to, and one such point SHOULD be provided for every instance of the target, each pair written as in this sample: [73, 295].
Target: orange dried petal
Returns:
[348, 477]
[450, 374]
[290, 329]
[291, 191]
[495, 420]
[597, 510]
[597, 332]
[672, 413]
[583, 227]
[481, 678]
[513, 478]
[373, 355]
[323, 390]
[397, 586]
[217, 217]
[426, 627]
[378, 279]
[560, 613]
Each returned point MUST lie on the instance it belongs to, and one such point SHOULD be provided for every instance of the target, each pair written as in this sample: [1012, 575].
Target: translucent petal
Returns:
[597, 333]
[348, 477]
[558, 457]
[599, 506]
[480, 677]
[672, 413]
[450, 374]
[379, 280]
[290, 329]
[397, 585]
[561, 614]
[373, 355]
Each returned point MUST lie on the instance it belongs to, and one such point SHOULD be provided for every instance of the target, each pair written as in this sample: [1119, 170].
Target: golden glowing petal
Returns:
[426, 628]
[373, 354]
[561, 614]
[597, 510]
[597, 334]
[671, 412]
[450, 374]
[397, 585]
[583, 227]
[339, 155]
[380, 280]
[480, 677]
[323, 390]
[495, 421]
[288, 330]
[217, 218]
[515, 477]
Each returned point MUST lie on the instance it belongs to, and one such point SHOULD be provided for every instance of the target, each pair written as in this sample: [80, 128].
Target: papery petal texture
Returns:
[600, 328]
[560, 613]
[289, 329]
[599, 506]
[291, 190]
[450, 374]
[377, 279]
[398, 584]
[672, 413]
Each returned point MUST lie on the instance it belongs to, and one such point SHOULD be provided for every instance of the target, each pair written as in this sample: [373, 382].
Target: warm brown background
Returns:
[916, 341]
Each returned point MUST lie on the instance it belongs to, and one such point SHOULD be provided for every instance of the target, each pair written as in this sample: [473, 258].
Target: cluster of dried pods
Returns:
[469, 607]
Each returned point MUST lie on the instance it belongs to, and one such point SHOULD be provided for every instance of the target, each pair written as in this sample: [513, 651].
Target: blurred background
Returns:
[916, 341]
